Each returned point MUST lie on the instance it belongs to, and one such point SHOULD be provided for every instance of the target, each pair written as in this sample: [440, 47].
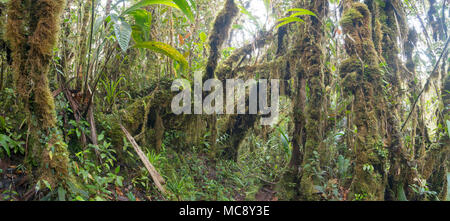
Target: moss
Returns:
[350, 17]
[409, 48]
[16, 36]
[2, 17]
[219, 32]
[311, 62]
[159, 131]
[32, 30]
[350, 65]
[362, 78]
[148, 118]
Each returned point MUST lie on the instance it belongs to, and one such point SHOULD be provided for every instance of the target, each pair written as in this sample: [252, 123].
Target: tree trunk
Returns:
[32, 30]
[361, 79]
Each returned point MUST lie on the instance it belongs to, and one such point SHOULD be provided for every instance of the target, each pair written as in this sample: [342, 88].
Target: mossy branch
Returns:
[219, 33]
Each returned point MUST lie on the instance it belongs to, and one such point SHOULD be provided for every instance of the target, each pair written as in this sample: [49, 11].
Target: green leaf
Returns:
[123, 34]
[100, 137]
[203, 37]
[185, 8]
[165, 49]
[194, 6]
[142, 18]
[79, 198]
[4, 140]
[2, 122]
[301, 11]
[149, 2]
[288, 20]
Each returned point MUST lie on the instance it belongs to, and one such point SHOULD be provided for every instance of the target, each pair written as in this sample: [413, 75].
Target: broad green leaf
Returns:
[4, 140]
[185, 8]
[137, 34]
[144, 3]
[143, 22]
[165, 49]
[142, 18]
[123, 34]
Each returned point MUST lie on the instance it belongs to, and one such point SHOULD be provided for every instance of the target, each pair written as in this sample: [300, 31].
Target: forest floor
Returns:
[189, 176]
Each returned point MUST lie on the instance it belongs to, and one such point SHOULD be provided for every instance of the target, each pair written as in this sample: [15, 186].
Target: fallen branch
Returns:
[157, 178]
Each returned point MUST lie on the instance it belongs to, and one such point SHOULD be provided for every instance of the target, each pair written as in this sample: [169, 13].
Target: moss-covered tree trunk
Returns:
[391, 18]
[32, 30]
[311, 69]
[441, 154]
[304, 61]
[220, 31]
[362, 80]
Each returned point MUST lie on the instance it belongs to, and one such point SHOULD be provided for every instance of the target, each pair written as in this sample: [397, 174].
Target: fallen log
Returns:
[157, 178]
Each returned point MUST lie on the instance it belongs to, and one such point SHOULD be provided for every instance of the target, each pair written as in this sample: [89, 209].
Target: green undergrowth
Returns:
[191, 175]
